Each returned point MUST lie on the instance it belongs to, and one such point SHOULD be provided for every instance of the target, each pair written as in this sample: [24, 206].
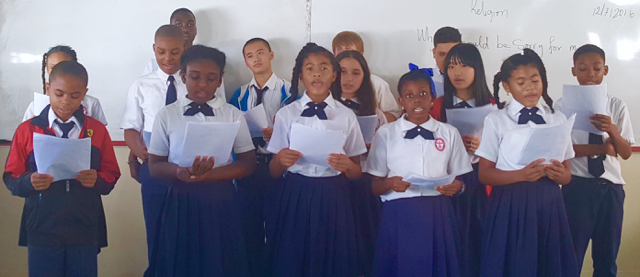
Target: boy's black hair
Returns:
[255, 40]
[365, 93]
[466, 54]
[445, 35]
[588, 48]
[169, 31]
[312, 48]
[181, 10]
[201, 52]
[70, 68]
[58, 48]
[526, 58]
[413, 76]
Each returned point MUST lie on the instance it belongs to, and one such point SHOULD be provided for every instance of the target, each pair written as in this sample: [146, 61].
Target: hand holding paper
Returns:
[429, 185]
[547, 142]
[287, 157]
[41, 181]
[584, 101]
[315, 145]
[61, 158]
[397, 184]
[88, 177]
[212, 139]
[256, 120]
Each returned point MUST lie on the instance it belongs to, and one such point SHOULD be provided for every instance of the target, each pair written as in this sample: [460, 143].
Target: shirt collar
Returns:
[271, 83]
[329, 100]
[165, 77]
[52, 118]
[406, 125]
[514, 107]
[214, 103]
[471, 102]
[354, 99]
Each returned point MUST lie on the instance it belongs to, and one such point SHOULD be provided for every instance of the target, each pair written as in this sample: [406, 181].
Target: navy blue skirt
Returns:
[314, 232]
[201, 232]
[366, 213]
[418, 237]
[470, 208]
[526, 232]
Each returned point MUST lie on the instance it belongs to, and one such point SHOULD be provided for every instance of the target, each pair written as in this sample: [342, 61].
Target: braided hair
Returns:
[59, 48]
[312, 48]
[528, 57]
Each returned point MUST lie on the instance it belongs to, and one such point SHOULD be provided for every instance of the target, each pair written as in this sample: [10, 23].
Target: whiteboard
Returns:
[401, 31]
[114, 41]
[114, 38]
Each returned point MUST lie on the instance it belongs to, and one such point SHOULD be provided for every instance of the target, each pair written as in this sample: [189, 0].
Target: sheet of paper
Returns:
[315, 145]
[469, 121]
[61, 158]
[428, 185]
[584, 101]
[547, 142]
[368, 125]
[257, 120]
[40, 101]
[208, 139]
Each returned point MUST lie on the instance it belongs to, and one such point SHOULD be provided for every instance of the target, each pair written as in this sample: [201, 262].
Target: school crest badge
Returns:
[90, 132]
[440, 144]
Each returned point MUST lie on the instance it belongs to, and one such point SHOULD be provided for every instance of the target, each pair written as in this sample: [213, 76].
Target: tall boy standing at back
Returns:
[443, 40]
[147, 96]
[594, 198]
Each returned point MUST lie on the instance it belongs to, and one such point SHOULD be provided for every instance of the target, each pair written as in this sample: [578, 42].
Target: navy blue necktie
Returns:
[195, 108]
[65, 128]
[527, 115]
[172, 94]
[315, 109]
[352, 104]
[424, 133]
[462, 105]
[260, 94]
[596, 164]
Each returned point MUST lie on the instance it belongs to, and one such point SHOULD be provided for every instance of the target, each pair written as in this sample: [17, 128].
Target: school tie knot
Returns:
[260, 93]
[418, 130]
[65, 127]
[172, 94]
[315, 109]
[595, 164]
[527, 115]
[195, 108]
[462, 105]
[352, 104]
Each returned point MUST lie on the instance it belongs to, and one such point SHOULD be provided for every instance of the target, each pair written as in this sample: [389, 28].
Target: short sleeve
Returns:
[459, 161]
[490, 143]
[242, 142]
[97, 113]
[376, 163]
[624, 123]
[133, 116]
[354, 144]
[280, 137]
[29, 113]
[159, 144]
[386, 100]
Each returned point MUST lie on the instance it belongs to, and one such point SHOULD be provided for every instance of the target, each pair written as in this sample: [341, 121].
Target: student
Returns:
[201, 230]
[257, 191]
[465, 86]
[594, 198]
[358, 95]
[418, 233]
[315, 231]
[184, 19]
[63, 223]
[90, 104]
[347, 40]
[147, 96]
[526, 232]
[443, 40]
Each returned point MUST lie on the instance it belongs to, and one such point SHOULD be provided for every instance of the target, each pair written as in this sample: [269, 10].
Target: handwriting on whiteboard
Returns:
[486, 12]
[613, 12]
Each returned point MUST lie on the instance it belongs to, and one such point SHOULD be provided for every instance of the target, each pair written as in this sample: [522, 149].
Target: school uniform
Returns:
[147, 95]
[526, 232]
[315, 231]
[418, 233]
[201, 233]
[594, 198]
[366, 205]
[386, 101]
[63, 226]
[91, 107]
[257, 191]
[152, 66]
[469, 204]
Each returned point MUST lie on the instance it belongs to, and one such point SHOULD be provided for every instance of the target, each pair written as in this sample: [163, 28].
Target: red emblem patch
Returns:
[440, 144]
